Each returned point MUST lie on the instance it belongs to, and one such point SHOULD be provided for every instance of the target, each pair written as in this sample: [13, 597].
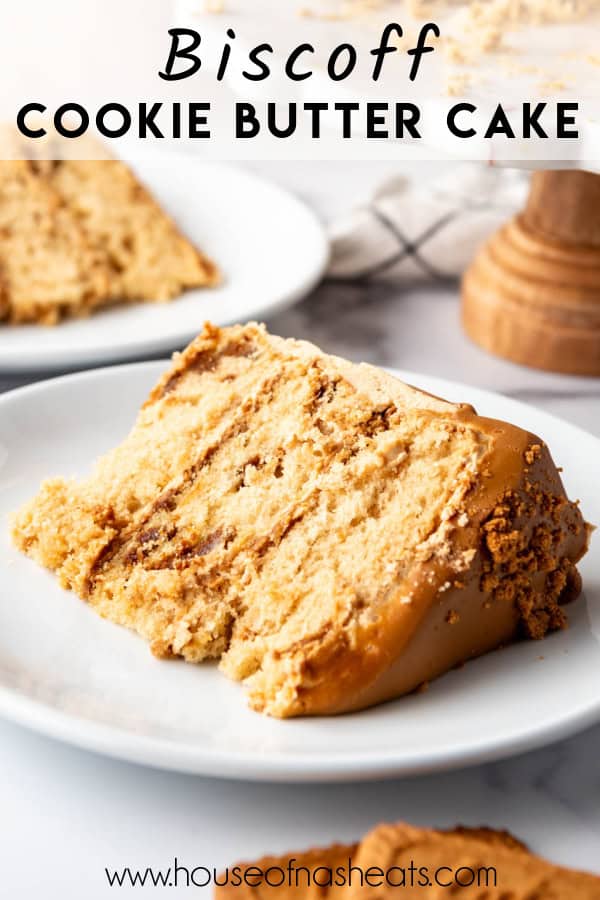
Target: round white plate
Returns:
[270, 248]
[69, 674]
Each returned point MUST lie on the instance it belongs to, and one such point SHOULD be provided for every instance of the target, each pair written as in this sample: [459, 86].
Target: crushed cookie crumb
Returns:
[533, 453]
[553, 84]
[458, 83]
[517, 549]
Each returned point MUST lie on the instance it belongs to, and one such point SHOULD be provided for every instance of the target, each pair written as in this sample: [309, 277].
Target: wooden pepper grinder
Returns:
[532, 293]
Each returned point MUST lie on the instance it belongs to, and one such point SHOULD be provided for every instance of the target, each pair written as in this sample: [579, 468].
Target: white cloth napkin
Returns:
[413, 230]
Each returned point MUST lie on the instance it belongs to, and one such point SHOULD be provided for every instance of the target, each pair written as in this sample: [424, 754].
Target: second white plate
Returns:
[67, 673]
[270, 248]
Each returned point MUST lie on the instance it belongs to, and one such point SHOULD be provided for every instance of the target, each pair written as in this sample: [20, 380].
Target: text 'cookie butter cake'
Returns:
[474, 863]
[80, 234]
[333, 535]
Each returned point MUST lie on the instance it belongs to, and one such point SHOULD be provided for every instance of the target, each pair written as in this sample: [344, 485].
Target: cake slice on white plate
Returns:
[335, 537]
[81, 234]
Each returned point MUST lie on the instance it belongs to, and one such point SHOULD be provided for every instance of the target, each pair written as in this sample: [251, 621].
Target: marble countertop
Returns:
[68, 813]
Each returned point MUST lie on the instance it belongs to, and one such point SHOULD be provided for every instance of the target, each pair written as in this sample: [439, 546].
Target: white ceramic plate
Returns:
[269, 246]
[69, 674]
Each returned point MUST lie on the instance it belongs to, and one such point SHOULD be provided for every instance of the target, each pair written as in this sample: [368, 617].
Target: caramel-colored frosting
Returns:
[522, 538]
[473, 863]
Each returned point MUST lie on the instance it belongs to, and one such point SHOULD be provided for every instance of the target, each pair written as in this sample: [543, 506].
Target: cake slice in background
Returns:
[48, 266]
[474, 863]
[80, 234]
[148, 258]
[333, 535]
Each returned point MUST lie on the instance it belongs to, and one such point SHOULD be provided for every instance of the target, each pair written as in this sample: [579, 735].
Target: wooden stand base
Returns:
[532, 294]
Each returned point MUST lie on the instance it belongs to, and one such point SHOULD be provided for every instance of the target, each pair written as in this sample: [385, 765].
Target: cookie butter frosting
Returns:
[473, 863]
[335, 537]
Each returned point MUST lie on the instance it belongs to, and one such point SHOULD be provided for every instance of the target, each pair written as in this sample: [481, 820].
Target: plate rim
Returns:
[168, 754]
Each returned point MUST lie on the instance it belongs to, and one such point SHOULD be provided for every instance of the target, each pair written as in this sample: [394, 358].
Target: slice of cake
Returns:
[147, 256]
[334, 536]
[475, 863]
[79, 234]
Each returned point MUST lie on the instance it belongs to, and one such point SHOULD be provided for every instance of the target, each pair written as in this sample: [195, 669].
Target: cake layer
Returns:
[475, 863]
[334, 536]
